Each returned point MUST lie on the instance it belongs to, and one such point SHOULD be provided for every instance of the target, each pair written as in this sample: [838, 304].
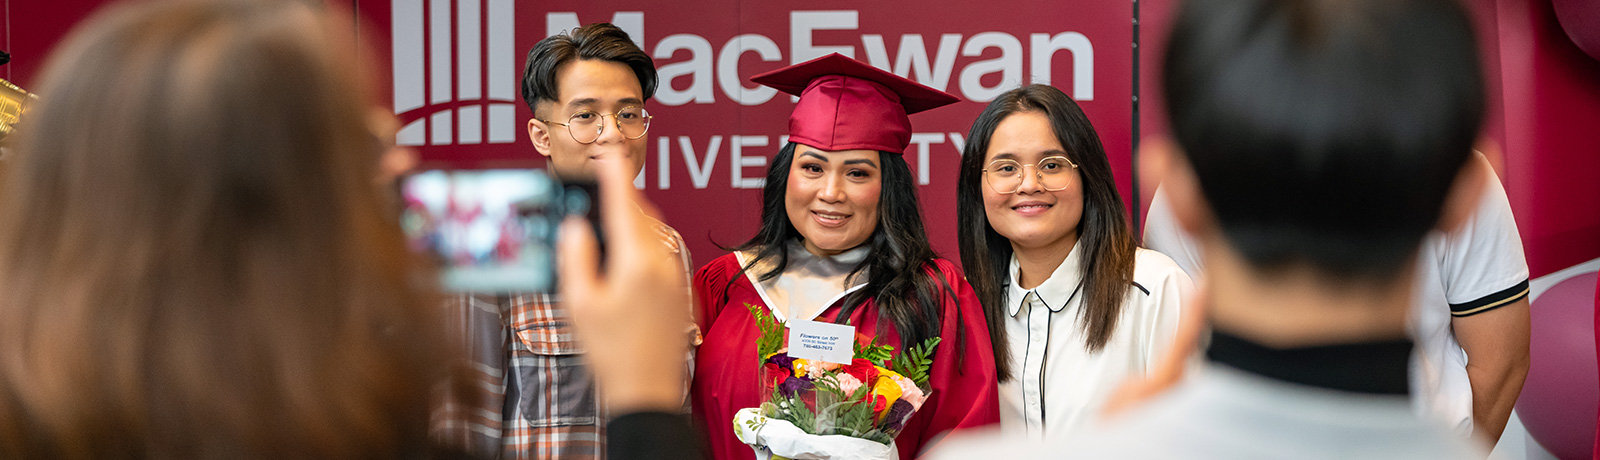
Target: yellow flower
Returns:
[889, 390]
[799, 368]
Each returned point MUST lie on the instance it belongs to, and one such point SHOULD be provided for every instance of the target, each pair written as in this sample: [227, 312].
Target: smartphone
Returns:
[495, 230]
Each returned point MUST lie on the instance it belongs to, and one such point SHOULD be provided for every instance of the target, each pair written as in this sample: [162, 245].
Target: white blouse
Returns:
[1059, 386]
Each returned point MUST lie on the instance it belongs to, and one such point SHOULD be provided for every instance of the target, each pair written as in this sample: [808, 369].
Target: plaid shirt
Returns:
[533, 396]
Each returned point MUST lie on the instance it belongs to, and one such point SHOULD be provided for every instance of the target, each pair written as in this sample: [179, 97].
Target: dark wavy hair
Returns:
[900, 273]
[1103, 231]
[599, 41]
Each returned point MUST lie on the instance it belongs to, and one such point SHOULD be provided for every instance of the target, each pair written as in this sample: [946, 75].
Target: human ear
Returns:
[539, 134]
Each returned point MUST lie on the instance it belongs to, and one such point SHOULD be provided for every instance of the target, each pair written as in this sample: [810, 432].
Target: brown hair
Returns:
[194, 261]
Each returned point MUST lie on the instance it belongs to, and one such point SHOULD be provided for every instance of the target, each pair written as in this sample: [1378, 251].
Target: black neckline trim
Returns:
[1367, 367]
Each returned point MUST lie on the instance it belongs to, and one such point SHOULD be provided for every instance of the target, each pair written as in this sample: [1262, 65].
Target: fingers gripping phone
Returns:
[495, 230]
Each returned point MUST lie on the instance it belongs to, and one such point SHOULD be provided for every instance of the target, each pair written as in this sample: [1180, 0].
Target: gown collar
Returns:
[809, 284]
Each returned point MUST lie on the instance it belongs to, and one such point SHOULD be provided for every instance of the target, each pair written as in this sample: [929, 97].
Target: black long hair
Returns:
[899, 268]
[1103, 231]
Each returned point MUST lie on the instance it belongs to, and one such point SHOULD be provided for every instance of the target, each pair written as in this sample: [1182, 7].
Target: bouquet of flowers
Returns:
[821, 410]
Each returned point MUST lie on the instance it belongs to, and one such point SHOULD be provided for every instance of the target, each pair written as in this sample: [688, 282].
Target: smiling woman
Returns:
[832, 198]
[1045, 240]
[842, 241]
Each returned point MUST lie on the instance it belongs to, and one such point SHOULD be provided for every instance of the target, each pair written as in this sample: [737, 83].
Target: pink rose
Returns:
[848, 384]
[909, 391]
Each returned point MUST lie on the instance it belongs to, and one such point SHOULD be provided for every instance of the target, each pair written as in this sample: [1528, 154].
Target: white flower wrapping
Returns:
[778, 438]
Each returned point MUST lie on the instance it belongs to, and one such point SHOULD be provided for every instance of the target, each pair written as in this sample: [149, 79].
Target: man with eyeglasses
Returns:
[533, 397]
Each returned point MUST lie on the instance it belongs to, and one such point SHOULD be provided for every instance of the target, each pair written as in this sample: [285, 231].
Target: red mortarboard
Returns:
[847, 105]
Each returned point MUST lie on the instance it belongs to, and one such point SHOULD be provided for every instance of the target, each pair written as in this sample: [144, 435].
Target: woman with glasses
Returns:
[842, 241]
[1075, 308]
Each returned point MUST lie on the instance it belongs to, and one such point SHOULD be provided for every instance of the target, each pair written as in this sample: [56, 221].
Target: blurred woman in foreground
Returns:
[194, 259]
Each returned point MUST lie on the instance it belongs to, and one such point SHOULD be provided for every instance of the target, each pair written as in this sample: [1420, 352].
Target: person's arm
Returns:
[1496, 343]
[1162, 234]
[630, 321]
[1485, 278]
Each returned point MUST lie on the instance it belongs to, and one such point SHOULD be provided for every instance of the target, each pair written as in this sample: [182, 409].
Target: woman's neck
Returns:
[820, 252]
[1036, 264]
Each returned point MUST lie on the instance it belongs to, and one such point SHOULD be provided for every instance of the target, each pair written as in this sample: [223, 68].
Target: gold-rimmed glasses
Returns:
[1006, 176]
[586, 126]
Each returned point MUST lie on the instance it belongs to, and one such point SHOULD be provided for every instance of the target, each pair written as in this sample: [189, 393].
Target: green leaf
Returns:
[872, 352]
[915, 361]
[792, 410]
[772, 331]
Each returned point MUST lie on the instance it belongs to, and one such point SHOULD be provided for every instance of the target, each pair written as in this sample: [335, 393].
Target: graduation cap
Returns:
[847, 105]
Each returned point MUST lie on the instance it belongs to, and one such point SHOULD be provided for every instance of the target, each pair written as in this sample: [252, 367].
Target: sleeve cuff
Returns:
[1492, 301]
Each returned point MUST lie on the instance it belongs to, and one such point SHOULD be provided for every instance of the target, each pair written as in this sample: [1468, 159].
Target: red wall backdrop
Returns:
[1544, 92]
[714, 131]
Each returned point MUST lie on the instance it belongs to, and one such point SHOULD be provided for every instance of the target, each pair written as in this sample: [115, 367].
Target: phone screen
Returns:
[492, 231]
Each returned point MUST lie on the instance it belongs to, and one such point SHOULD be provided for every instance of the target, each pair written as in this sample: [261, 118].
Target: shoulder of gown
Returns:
[711, 286]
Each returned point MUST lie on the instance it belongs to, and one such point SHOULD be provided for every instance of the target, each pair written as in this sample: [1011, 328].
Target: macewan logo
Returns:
[456, 65]
[454, 78]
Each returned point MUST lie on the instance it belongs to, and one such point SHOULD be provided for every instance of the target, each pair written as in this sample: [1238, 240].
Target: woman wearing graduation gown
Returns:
[842, 241]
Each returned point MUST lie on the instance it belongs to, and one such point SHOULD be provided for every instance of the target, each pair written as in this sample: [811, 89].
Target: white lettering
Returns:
[921, 140]
[698, 68]
[700, 171]
[739, 161]
[1009, 64]
[663, 161]
[959, 141]
[802, 23]
[631, 22]
[911, 60]
[1044, 48]
[728, 68]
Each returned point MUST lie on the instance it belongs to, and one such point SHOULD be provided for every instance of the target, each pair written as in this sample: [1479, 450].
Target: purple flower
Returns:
[782, 360]
[896, 418]
[794, 385]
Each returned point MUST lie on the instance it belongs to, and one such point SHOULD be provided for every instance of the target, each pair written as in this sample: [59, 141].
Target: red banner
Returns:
[453, 68]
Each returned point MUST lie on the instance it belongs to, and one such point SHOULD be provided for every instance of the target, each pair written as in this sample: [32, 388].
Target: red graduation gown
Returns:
[965, 392]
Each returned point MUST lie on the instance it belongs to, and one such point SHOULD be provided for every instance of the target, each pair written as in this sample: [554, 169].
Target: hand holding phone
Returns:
[630, 315]
[492, 231]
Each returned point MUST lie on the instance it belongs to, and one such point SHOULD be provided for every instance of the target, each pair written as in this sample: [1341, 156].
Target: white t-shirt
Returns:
[1473, 269]
[1060, 386]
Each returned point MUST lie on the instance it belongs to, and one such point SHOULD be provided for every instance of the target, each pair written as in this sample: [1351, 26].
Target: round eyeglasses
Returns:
[1006, 176]
[586, 126]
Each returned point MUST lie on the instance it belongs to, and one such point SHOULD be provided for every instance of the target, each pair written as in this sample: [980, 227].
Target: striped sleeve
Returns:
[1492, 301]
